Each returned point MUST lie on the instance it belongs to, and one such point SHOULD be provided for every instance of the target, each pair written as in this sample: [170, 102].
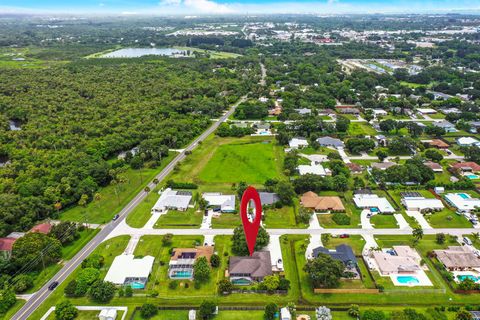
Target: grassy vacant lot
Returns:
[282, 218]
[383, 221]
[360, 128]
[250, 162]
[114, 198]
[177, 219]
[226, 220]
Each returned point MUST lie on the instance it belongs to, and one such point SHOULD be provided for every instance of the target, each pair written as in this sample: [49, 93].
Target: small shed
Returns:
[285, 314]
[192, 315]
[439, 190]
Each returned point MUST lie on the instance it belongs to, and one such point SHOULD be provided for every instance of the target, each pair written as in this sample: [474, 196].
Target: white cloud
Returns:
[197, 6]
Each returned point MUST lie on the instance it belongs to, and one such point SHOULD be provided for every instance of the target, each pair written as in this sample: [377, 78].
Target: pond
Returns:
[140, 52]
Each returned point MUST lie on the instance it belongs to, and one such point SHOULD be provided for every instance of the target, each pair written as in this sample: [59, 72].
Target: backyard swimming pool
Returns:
[407, 280]
[468, 276]
[464, 195]
[181, 275]
[472, 176]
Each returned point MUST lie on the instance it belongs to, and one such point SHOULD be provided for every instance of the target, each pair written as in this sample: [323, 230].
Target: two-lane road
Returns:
[39, 297]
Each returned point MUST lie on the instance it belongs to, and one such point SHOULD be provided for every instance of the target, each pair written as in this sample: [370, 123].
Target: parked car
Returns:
[467, 241]
[343, 236]
[53, 285]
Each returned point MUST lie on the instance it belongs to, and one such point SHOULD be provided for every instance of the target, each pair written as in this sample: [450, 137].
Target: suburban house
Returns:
[330, 142]
[182, 261]
[436, 167]
[400, 260]
[6, 246]
[437, 143]
[249, 269]
[440, 95]
[341, 253]
[373, 201]
[383, 165]
[298, 143]
[311, 200]
[426, 110]
[463, 202]
[355, 168]
[172, 200]
[128, 270]
[220, 202]
[268, 198]
[447, 126]
[414, 201]
[463, 167]
[313, 168]
[347, 109]
[42, 228]
[304, 111]
[458, 258]
[467, 142]
[379, 112]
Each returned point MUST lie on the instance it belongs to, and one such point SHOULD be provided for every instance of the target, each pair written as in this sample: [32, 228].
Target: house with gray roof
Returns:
[342, 253]
[447, 126]
[249, 269]
[330, 142]
[268, 198]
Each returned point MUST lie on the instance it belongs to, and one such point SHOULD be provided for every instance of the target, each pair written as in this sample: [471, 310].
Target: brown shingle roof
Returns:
[471, 165]
[312, 201]
[438, 143]
[258, 265]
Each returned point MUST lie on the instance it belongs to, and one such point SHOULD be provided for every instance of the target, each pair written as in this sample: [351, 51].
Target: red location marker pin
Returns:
[251, 228]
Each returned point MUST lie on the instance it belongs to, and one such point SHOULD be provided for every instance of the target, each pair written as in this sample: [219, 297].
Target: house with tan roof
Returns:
[436, 167]
[311, 200]
[466, 166]
[458, 258]
[439, 144]
[182, 261]
[402, 260]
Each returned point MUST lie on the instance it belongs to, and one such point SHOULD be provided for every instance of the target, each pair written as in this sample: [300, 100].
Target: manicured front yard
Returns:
[384, 221]
[447, 219]
[191, 218]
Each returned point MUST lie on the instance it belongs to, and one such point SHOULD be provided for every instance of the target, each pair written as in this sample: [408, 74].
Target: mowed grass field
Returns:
[252, 162]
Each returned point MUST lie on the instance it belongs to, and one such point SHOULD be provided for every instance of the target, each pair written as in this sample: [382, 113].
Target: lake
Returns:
[139, 52]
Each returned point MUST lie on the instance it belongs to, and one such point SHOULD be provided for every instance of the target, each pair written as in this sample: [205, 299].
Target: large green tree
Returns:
[324, 271]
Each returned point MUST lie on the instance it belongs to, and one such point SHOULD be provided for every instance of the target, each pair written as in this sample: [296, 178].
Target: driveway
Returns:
[365, 221]
[420, 219]
[402, 223]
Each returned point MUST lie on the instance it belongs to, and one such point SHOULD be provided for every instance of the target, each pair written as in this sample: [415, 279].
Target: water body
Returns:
[140, 52]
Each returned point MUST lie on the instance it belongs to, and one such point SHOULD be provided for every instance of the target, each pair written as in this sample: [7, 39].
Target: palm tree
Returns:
[417, 234]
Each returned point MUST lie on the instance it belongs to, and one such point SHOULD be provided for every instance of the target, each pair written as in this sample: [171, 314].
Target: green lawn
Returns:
[353, 212]
[226, 220]
[361, 128]
[250, 162]
[177, 219]
[282, 218]
[86, 315]
[114, 198]
[143, 211]
[447, 219]
[383, 221]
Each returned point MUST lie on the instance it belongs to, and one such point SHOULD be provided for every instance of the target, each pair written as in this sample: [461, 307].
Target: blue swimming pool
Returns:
[407, 280]
[472, 176]
[182, 275]
[137, 285]
[468, 276]
[375, 210]
[464, 195]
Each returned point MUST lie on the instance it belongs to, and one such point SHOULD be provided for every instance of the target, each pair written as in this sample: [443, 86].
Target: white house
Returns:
[368, 201]
[173, 200]
[225, 202]
[127, 270]
[108, 314]
[298, 143]
[313, 168]
[467, 142]
[285, 314]
[426, 110]
[422, 203]
[463, 202]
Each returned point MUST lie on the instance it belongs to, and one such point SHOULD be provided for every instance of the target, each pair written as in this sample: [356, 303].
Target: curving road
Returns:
[39, 297]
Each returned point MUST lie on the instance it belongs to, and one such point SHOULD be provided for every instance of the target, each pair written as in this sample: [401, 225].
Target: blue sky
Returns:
[159, 7]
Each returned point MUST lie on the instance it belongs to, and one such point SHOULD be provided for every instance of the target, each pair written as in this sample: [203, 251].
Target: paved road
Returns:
[39, 297]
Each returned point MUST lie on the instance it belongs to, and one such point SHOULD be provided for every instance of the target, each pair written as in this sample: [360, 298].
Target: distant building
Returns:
[172, 200]
[436, 167]
[463, 202]
[437, 143]
[383, 165]
[467, 142]
[330, 142]
[459, 258]
[219, 201]
[298, 143]
[355, 168]
[313, 168]
[466, 167]
[447, 126]
[42, 228]
[304, 111]
[311, 200]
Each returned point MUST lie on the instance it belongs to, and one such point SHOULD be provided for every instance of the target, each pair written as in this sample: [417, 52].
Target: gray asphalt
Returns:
[41, 295]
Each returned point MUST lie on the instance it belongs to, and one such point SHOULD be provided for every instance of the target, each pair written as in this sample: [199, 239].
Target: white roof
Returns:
[373, 201]
[108, 313]
[125, 266]
[466, 141]
[426, 110]
[225, 201]
[171, 199]
[298, 142]
[285, 313]
[379, 111]
[462, 201]
[422, 203]
[312, 169]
